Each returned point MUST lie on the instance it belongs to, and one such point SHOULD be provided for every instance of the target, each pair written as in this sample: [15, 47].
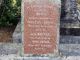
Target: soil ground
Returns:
[6, 33]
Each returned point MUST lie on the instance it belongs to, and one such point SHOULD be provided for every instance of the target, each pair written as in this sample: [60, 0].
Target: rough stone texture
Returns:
[7, 49]
[70, 40]
[17, 36]
[13, 57]
[70, 45]
[70, 14]
[41, 28]
[70, 25]
[78, 10]
[69, 49]
[29, 58]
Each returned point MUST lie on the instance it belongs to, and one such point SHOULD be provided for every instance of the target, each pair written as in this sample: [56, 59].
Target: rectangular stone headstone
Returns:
[41, 26]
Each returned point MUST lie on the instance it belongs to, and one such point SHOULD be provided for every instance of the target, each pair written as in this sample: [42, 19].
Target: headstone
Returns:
[40, 26]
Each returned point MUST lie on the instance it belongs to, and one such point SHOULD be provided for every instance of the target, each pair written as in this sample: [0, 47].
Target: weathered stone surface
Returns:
[69, 11]
[70, 49]
[72, 58]
[70, 40]
[70, 43]
[7, 49]
[17, 35]
[11, 57]
[70, 25]
[41, 20]
[78, 10]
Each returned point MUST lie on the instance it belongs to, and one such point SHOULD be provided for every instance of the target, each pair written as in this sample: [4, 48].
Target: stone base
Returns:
[17, 34]
[10, 49]
[70, 49]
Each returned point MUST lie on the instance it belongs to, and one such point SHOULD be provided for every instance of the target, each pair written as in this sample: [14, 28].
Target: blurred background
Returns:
[10, 15]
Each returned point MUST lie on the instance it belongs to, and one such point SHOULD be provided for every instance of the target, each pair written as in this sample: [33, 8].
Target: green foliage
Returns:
[10, 12]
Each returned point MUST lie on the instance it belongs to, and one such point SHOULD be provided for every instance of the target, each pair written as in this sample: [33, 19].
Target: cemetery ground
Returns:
[6, 33]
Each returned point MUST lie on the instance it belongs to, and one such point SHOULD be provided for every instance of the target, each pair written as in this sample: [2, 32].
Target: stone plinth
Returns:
[10, 49]
[17, 36]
